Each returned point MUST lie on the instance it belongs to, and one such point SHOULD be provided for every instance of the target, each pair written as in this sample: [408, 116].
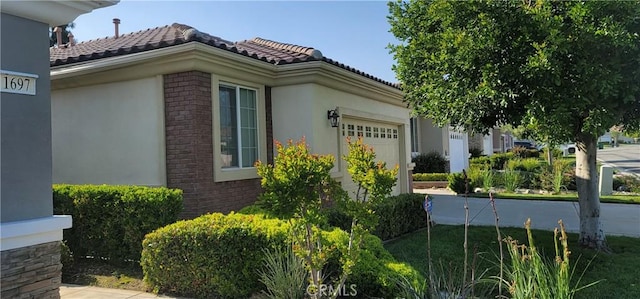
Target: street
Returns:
[625, 158]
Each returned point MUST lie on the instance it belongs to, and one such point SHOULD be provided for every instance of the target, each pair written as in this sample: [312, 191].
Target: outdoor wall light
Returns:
[332, 116]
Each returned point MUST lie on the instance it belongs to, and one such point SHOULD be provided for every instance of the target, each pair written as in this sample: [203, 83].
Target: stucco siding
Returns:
[109, 134]
[25, 124]
[301, 110]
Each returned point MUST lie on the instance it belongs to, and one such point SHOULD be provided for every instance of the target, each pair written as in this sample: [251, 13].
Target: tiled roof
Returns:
[176, 34]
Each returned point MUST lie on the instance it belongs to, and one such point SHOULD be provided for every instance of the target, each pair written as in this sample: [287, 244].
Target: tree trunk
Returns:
[591, 233]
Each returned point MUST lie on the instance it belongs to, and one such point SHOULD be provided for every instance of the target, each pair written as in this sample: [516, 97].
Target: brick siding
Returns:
[189, 148]
[31, 272]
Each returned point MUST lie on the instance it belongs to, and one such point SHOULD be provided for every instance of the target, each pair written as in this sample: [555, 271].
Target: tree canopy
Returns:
[569, 68]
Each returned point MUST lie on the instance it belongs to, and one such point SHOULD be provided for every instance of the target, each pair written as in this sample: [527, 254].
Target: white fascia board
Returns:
[52, 12]
[29, 232]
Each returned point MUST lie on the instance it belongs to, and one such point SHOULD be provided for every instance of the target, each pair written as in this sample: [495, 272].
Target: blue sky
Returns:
[355, 33]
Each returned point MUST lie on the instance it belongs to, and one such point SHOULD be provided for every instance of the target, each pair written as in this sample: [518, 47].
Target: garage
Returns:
[383, 137]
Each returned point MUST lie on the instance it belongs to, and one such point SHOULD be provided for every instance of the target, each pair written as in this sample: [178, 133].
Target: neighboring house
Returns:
[452, 144]
[173, 106]
[30, 234]
[492, 143]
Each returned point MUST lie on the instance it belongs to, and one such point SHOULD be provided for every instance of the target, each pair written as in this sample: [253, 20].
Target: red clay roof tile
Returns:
[176, 34]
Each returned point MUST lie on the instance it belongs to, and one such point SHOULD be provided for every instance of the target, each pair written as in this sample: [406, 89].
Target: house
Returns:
[494, 142]
[173, 106]
[30, 234]
[451, 143]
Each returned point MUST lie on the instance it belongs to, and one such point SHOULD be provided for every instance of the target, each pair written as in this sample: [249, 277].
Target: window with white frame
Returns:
[238, 126]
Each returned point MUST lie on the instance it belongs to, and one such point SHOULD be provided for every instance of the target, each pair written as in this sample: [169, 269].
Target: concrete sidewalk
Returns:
[70, 291]
[617, 219]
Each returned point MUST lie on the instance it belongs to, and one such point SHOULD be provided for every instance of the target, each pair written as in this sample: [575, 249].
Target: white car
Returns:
[568, 149]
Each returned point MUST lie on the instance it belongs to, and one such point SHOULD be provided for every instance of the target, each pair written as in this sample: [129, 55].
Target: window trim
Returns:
[236, 173]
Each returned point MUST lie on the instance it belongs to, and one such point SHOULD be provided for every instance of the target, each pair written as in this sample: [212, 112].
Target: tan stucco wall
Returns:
[432, 138]
[109, 134]
[302, 110]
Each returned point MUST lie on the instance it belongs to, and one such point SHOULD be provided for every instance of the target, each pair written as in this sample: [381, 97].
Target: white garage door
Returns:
[384, 138]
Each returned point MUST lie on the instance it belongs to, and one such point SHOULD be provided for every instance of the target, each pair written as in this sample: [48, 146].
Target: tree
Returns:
[53, 40]
[569, 69]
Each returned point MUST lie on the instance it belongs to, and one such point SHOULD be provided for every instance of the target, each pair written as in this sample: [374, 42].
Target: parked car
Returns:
[568, 149]
[525, 144]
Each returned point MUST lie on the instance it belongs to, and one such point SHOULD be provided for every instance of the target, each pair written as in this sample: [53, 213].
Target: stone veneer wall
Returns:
[189, 147]
[31, 272]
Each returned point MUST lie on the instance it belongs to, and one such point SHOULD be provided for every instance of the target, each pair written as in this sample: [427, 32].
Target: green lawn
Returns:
[628, 199]
[619, 271]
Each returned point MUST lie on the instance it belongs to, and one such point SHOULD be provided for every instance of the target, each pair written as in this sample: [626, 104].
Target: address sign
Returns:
[16, 82]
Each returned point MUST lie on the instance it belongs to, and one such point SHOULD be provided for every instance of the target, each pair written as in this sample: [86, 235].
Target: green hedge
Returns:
[399, 215]
[110, 222]
[432, 162]
[430, 177]
[212, 255]
[219, 255]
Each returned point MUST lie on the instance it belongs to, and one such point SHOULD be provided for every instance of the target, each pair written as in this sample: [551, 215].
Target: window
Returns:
[375, 132]
[359, 128]
[367, 131]
[238, 127]
[350, 131]
[413, 127]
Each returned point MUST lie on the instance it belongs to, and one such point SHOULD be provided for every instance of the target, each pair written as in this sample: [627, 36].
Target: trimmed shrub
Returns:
[212, 255]
[430, 177]
[110, 222]
[481, 161]
[432, 162]
[220, 255]
[399, 215]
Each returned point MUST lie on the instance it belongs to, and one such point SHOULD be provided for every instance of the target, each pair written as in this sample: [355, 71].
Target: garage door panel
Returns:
[384, 138]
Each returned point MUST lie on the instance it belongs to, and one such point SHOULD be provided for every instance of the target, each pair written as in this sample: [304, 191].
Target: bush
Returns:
[399, 215]
[475, 152]
[626, 183]
[498, 161]
[529, 164]
[110, 222]
[432, 162]
[212, 255]
[480, 161]
[430, 177]
[457, 183]
[220, 255]
[375, 272]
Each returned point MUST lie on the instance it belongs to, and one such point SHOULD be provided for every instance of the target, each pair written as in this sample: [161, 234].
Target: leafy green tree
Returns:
[570, 69]
[53, 39]
[298, 184]
[295, 187]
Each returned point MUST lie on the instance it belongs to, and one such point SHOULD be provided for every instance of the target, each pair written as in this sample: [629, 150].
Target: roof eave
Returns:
[53, 12]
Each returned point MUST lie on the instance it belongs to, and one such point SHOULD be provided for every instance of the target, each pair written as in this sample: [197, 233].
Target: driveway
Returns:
[626, 158]
[617, 219]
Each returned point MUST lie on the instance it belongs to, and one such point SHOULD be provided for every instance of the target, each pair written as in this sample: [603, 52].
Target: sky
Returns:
[355, 33]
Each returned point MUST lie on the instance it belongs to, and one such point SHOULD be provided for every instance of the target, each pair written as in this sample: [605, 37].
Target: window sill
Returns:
[235, 174]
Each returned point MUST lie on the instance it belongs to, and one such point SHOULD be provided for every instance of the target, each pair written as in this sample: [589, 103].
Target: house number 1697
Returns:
[21, 83]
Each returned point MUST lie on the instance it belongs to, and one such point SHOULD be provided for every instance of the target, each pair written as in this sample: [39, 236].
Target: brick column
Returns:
[189, 148]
